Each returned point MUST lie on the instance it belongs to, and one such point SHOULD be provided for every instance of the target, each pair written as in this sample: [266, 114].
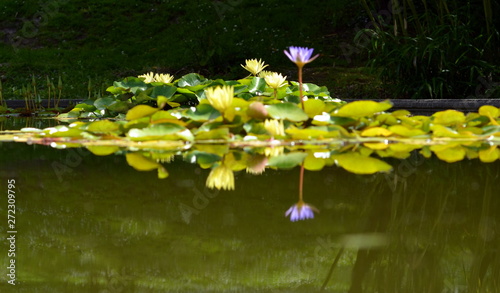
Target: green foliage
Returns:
[433, 52]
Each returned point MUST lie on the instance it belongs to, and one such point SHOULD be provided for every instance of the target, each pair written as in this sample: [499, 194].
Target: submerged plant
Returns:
[300, 56]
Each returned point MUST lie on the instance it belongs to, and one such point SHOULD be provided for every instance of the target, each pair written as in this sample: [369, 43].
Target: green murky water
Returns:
[93, 224]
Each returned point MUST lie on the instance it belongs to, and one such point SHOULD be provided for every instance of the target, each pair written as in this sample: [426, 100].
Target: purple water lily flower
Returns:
[301, 211]
[300, 55]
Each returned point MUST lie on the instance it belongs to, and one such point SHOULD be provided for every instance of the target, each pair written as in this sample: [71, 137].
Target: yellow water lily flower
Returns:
[165, 78]
[275, 80]
[221, 177]
[254, 66]
[148, 77]
[274, 127]
[264, 73]
[220, 97]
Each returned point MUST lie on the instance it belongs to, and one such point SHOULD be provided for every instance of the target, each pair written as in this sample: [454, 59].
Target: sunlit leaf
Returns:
[140, 111]
[490, 111]
[287, 111]
[314, 107]
[102, 126]
[406, 131]
[449, 153]
[287, 161]
[489, 155]
[100, 150]
[140, 162]
[359, 164]
[362, 108]
[448, 117]
[376, 131]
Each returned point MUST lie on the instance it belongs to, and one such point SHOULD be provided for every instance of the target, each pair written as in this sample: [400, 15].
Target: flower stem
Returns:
[300, 88]
[301, 182]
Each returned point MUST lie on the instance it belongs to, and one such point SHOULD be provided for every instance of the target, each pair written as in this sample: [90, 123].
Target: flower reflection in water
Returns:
[221, 177]
[301, 211]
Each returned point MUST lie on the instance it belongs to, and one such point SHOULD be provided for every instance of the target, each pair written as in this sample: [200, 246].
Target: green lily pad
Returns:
[100, 150]
[140, 111]
[141, 163]
[102, 126]
[359, 164]
[287, 161]
[362, 108]
[448, 117]
[287, 111]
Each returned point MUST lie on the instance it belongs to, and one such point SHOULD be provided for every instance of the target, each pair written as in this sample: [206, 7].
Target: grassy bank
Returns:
[102, 42]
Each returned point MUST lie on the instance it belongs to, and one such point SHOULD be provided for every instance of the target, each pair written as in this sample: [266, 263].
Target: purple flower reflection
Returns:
[301, 211]
[300, 55]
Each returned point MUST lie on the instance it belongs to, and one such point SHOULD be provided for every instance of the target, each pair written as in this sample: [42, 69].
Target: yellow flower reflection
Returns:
[220, 97]
[254, 66]
[274, 127]
[221, 177]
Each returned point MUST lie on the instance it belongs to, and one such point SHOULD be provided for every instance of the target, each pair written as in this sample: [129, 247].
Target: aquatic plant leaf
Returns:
[287, 161]
[257, 84]
[359, 164]
[162, 173]
[376, 131]
[449, 153]
[490, 155]
[490, 111]
[103, 103]
[362, 108]
[163, 90]
[119, 107]
[86, 107]
[314, 107]
[63, 131]
[218, 133]
[193, 82]
[310, 132]
[134, 84]
[103, 126]
[313, 163]
[376, 145]
[203, 112]
[287, 111]
[157, 131]
[406, 131]
[100, 150]
[448, 117]
[141, 163]
[140, 111]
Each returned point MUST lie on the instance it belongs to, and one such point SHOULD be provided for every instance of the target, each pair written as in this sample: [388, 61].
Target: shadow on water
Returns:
[98, 225]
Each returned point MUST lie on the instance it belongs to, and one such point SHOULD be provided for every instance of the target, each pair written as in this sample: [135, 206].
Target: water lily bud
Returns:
[257, 110]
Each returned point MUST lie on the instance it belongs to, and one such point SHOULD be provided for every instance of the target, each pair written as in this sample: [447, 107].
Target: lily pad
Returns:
[359, 164]
[362, 108]
[287, 161]
[287, 111]
[140, 111]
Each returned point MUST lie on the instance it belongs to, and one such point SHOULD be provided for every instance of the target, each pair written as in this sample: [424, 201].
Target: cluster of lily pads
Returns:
[155, 111]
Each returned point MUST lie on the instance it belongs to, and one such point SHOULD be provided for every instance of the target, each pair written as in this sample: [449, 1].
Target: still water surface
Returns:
[90, 223]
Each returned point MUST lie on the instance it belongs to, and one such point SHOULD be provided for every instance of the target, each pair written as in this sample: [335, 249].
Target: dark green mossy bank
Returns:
[103, 41]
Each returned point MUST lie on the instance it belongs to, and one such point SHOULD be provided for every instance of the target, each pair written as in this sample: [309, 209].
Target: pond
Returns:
[88, 223]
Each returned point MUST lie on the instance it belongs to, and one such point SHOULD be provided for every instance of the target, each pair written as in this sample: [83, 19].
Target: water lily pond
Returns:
[339, 217]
